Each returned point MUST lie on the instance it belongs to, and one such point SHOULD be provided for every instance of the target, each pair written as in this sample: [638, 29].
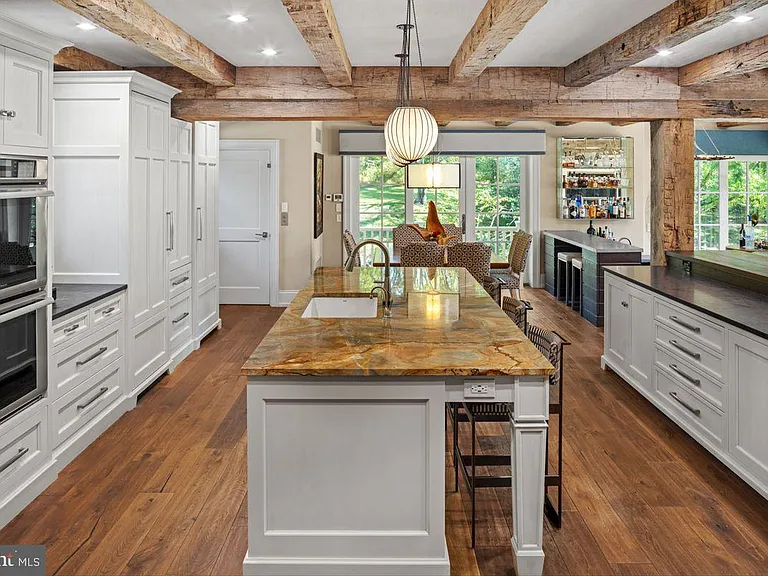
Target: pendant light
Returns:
[410, 131]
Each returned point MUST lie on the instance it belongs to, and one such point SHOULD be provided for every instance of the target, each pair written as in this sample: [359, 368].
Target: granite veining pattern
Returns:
[71, 297]
[733, 305]
[443, 324]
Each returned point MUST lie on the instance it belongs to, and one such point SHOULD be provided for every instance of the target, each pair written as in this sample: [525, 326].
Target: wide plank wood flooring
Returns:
[163, 490]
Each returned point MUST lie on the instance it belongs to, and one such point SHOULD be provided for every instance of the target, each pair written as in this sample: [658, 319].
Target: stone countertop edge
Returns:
[73, 297]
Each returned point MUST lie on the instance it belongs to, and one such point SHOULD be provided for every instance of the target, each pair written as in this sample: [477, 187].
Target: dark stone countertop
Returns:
[733, 305]
[71, 297]
[591, 243]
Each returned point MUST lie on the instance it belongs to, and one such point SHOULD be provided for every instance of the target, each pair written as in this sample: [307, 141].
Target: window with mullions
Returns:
[707, 205]
[497, 201]
[382, 198]
[747, 194]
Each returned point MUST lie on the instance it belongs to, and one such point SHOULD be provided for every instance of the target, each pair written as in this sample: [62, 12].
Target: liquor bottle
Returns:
[582, 210]
[564, 209]
[615, 209]
[749, 235]
[742, 237]
[592, 210]
[623, 210]
[591, 229]
[565, 182]
[600, 232]
[574, 210]
[629, 208]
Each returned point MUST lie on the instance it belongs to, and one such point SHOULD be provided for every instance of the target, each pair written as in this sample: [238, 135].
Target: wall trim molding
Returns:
[285, 297]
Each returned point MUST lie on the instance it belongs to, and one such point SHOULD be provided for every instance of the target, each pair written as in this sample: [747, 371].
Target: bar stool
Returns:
[577, 265]
[563, 274]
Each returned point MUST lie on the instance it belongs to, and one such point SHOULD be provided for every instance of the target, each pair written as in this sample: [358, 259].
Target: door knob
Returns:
[264, 234]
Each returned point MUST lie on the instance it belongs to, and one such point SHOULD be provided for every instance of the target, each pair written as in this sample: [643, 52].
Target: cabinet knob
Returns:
[11, 113]
[624, 304]
[4, 113]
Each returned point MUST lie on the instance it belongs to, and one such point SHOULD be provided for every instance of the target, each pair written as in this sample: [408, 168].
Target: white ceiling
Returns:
[561, 32]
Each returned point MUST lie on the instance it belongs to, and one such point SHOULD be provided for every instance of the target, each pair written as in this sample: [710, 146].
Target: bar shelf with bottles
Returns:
[595, 178]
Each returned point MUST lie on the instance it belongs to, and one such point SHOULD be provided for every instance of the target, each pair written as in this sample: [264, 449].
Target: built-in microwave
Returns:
[24, 197]
[23, 352]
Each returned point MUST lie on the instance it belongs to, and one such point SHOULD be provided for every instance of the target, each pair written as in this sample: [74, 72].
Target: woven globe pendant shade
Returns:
[411, 133]
[396, 160]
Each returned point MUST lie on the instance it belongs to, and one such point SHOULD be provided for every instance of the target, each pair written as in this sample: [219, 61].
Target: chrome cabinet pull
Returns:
[169, 246]
[71, 328]
[691, 379]
[179, 281]
[199, 224]
[18, 456]
[92, 357]
[108, 311]
[691, 327]
[180, 318]
[691, 409]
[173, 231]
[98, 395]
[683, 349]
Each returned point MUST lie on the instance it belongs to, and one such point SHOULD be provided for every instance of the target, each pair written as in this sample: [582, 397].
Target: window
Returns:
[489, 200]
[497, 201]
[727, 193]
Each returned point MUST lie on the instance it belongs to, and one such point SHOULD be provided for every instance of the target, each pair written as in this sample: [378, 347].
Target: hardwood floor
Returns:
[163, 490]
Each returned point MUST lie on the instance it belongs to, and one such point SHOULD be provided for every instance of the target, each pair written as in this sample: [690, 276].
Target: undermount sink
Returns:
[341, 308]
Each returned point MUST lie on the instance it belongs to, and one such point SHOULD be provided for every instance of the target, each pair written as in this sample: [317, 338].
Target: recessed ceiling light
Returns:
[86, 26]
[664, 52]
[269, 51]
[742, 19]
[237, 18]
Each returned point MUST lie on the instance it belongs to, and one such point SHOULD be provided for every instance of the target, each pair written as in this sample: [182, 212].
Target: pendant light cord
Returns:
[418, 47]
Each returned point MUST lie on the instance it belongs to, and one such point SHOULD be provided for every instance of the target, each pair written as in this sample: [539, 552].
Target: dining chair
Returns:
[403, 235]
[455, 232]
[517, 260]
[349, 246]
[474, 256]
[422, 255]
[517, 310]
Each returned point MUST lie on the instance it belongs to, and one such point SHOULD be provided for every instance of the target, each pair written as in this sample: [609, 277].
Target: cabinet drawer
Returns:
[691, 377]
[693, 326]
[77, 363]
[71, 328]
[684, 348]
[181, 321]
[23, 449]
[180, 281]
[81, 405]
[107, 311]
[694, 412]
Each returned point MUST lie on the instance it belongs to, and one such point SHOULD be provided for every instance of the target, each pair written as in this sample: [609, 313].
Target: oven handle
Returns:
[24, 305]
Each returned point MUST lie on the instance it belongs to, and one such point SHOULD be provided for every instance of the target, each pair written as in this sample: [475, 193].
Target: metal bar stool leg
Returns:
[455, 413]
[473, 487]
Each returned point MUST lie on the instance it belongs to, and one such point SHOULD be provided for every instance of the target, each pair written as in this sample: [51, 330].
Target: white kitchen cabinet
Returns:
[111, 171]
[206, 226]
[749, 403]
[179, 199]
[26, 72]
[629, 330]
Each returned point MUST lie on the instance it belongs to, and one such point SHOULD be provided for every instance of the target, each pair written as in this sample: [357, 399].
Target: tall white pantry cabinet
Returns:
[111, 169]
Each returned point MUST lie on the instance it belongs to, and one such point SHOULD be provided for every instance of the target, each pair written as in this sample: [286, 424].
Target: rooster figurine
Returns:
[435, 231]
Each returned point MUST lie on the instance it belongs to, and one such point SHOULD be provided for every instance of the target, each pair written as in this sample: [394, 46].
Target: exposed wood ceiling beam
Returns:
[317, 23]
[500, 84]
[620, 123]
[76, 60]
[137, 21]
[726, 125]
[503, 123]
[471, 110]
[675, 24]
[496, 25]
[743, 59]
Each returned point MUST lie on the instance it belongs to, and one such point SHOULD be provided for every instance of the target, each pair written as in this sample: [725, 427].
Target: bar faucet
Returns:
[350, 264]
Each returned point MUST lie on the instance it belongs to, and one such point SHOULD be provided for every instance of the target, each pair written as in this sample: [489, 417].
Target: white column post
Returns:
[528, 433]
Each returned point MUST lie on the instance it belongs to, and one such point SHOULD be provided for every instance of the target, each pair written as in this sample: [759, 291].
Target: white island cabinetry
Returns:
[707, 375]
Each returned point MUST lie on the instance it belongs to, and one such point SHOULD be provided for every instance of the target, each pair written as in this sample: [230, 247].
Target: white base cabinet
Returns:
[709, 377]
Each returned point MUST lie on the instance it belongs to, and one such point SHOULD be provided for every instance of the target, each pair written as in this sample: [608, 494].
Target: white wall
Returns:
[297, 243]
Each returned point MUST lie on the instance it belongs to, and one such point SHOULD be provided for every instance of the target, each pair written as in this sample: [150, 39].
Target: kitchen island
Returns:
[346, 424]
[595, 252]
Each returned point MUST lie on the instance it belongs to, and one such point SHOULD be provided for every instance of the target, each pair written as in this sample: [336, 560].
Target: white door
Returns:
[244, 235]
[26, 99]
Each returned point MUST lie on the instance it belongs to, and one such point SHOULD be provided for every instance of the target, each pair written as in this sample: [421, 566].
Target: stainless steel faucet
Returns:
[350, 264]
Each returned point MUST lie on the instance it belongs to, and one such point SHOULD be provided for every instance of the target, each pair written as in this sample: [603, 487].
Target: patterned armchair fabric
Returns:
[518, 258]
[422, 254]
[493, 286]
[474, 256]
[517, 311]
[349, 246]
[403, 235]
[455, 231]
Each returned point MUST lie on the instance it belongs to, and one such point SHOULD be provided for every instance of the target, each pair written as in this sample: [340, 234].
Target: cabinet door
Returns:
[639, 351]
[617, 320]
[202, 181]
[26, 80]
[150, 225]
[748, 403]
[206, 185]
[179, 200]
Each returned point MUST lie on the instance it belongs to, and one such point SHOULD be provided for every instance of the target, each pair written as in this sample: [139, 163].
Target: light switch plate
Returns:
[338, 207]
[338, 197]
[338, 218]
[284, 219]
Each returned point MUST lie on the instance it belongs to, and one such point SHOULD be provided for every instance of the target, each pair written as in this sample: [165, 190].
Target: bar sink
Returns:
[341, 308]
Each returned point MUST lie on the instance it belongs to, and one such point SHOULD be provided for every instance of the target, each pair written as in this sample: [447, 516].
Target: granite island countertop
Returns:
[71, 297]
[733, 305]
[443, 324]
